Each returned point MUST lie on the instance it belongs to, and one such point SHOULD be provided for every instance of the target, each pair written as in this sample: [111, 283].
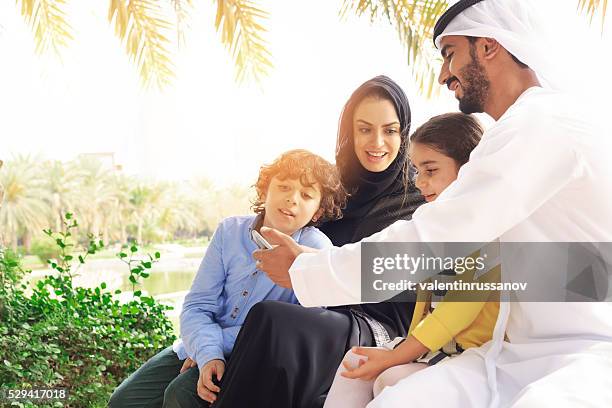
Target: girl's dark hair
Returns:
[453, 134]
[381, 87]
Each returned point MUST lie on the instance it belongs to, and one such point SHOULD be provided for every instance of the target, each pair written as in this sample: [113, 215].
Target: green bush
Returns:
[44, 249]
[76, 338]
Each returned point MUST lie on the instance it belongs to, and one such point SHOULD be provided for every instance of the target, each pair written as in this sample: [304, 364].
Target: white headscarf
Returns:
[520, 28]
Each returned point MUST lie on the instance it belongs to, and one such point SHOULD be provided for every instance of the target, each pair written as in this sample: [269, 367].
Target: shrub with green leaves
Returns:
[82, 339]
[44, 249]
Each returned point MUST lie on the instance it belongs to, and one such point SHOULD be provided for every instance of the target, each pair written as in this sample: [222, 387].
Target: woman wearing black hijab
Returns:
[286, 355]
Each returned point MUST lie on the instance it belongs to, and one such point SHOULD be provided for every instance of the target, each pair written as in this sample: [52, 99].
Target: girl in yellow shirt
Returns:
[438, 149]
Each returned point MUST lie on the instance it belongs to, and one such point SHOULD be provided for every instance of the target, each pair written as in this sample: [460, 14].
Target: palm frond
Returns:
[242, 34]
[592, 7]
[181, 9]
[143, 26]
[414, 22]
[24, 208]
[47, 19]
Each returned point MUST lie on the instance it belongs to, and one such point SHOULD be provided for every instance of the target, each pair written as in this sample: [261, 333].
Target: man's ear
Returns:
[490, 47]
[317, 215]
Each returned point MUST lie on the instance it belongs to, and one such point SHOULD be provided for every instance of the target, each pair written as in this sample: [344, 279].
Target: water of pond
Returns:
[160, 283]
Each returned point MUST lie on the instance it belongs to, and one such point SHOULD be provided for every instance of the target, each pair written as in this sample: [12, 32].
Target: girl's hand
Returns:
[378, 360]
[187, 364]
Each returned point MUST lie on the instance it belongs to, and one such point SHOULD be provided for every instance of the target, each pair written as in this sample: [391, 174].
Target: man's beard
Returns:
[476, 88]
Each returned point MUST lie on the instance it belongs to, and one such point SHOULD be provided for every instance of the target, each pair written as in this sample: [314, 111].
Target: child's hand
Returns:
[377, 361]
[187, 364]
[206, 387]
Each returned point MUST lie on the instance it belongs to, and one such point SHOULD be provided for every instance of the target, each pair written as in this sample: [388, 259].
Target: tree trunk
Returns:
[139, 232]
[27, 241]
[123, 237]
[59, 220]
[14, 241]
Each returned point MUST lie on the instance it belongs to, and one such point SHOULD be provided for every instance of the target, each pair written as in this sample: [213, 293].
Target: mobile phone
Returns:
[260, 241]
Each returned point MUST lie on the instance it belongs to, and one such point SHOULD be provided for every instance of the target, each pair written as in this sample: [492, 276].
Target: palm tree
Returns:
[24, 210]
[221, 203]
[62, 182]
[95, 195]
[161, 210]
[176, 215]
[1, 186]
[144, 27]
[146, 205]
[414, 21]
[1, 199]
[118, 208]
[593, 7]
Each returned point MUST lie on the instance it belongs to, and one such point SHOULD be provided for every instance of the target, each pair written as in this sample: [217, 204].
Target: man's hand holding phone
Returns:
[259, 240]
[275, 262]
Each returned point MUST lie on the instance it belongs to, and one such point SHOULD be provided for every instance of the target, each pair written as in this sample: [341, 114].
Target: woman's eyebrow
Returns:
[385, 125]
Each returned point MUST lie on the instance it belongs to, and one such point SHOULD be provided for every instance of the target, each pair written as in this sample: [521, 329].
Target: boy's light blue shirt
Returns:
[225, 288]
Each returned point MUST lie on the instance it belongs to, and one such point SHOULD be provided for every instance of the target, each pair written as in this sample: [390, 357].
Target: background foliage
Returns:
[85, 340]
[146, 29]
[110, 203]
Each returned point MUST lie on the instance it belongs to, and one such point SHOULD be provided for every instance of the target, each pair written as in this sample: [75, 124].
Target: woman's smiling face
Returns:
[376, 133]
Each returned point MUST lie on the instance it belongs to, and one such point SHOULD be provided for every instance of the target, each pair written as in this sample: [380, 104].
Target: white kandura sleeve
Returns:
[517, 167]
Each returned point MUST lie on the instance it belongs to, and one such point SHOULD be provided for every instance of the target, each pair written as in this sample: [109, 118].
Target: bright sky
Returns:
[204, 123]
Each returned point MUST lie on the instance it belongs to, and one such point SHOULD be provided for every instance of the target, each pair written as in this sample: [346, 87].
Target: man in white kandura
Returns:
[542, 173]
